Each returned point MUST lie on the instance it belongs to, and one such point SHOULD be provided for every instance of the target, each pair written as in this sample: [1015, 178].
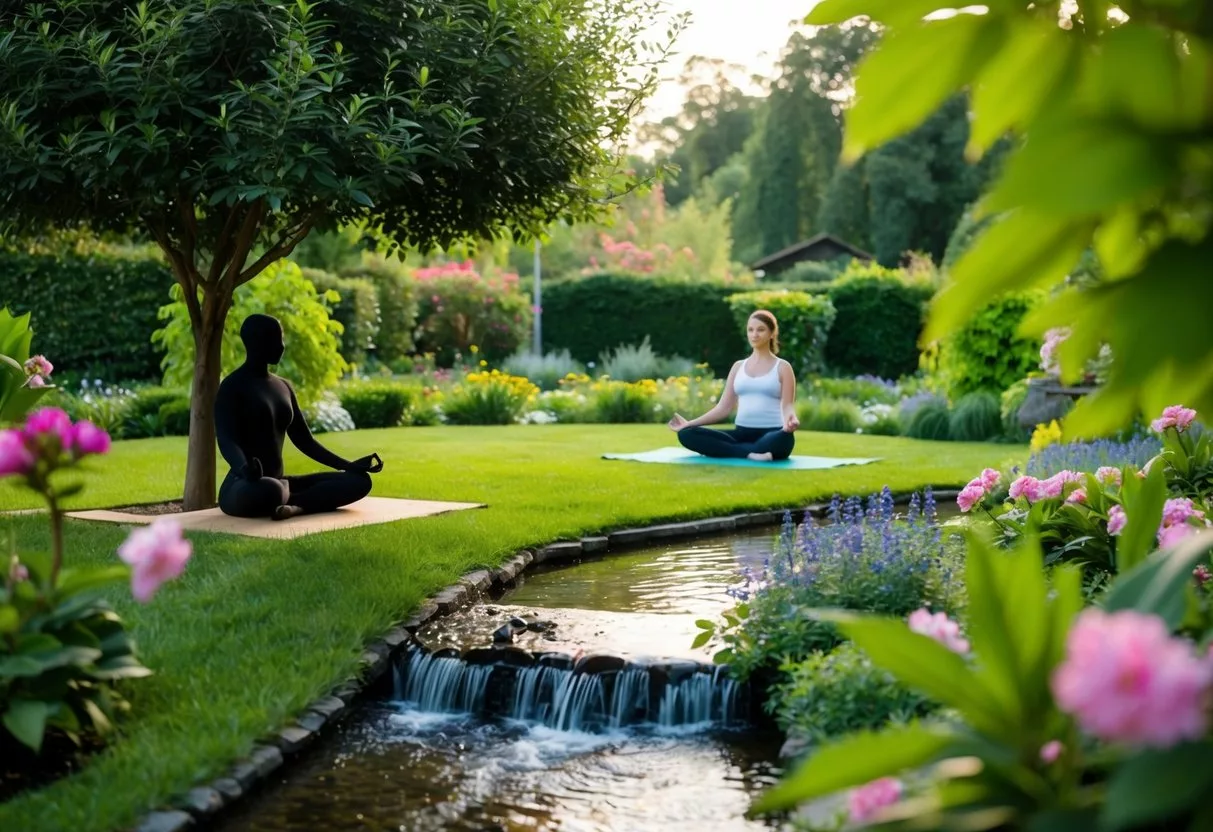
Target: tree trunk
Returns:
[200, 463]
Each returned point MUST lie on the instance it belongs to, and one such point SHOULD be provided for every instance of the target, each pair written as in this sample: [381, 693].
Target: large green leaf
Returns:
[19, 666]
[1143, 508]
[10, 619]
[119, 667]
[856, 760]
[912, 73]
[26, 720]
[887, 12]
[1155, 785]
[1158, 584]
[72, 581]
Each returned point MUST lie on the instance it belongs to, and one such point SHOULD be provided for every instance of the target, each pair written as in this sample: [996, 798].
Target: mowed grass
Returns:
[255, 629]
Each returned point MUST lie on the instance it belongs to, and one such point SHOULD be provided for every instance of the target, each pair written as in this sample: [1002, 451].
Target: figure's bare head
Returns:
[263, 339]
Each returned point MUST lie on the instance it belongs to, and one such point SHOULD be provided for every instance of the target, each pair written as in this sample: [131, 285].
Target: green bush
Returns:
[149, 411]
[804, 322]
[544, 371]
[105, 407]
[831, 694]
[377, 404]
[397, 295]
[591, 315]
[976, 417]
[813, 271]
[830, 415]
[988, 353]
[881, 420]
[356, 309]
[931, 421]
[864, 391]
[1011, 401]
[95, 311]
[459, 310]
[175, 417]
[489, 398]
[879, 319]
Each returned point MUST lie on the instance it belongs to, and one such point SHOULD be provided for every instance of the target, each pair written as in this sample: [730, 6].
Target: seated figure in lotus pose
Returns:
[763, 389]
[254, 412]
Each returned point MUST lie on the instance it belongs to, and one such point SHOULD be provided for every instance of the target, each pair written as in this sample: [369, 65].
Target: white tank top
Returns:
[758, 399]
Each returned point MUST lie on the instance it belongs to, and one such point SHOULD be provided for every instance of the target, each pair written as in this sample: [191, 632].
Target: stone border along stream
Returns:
[202, 804]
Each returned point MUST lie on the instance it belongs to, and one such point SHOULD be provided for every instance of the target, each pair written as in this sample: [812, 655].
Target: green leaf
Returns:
[26, 719]
[912, 73]
[888, 12]
[19, 666]
[855, 760]
[700, 640]
[1064, 820]
[1143, 508]
[704, 624]
[1155, 785]
[1158, 584]
[10, 619]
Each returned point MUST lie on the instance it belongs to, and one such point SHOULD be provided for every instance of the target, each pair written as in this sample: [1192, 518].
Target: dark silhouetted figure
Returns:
[254, 412]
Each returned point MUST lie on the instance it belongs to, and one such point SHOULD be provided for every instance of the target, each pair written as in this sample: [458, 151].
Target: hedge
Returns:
[92, 314]
[880, 316]
[988, 353]
[397, 305]
[590, 315]
[804, 324]
[357, 312]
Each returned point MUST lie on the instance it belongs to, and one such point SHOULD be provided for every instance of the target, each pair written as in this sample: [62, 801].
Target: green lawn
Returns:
[255, 630]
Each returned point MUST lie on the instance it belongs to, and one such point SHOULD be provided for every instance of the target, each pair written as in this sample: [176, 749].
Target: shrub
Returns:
[622, 402]
[328, 416]
[376, 404]
[880, 420]
[489, 398]
[595, 314]
[544, 371]
[930, 421]
[636, 363]
[863, 390]
[830, 415]
[813, 271]
[880, 316]
[977, 417]
[312, 362]
[96, 310]
[804, 322]
[144, 413]
[356, 309]
[397, 294]
[459, 310]
[830, 694]
[1010, 402]
[175, 417]
[988, 353]
[106, 406]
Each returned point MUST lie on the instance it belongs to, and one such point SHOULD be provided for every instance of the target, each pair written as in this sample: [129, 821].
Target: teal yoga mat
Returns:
[681, 456]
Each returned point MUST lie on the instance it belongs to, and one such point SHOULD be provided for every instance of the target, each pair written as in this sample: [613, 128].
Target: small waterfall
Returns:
[595, 695]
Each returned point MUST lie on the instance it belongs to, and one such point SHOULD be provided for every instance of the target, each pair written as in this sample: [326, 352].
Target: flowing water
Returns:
[588, 711]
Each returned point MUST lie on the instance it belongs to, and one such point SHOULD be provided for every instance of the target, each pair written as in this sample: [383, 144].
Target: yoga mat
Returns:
[681, 456]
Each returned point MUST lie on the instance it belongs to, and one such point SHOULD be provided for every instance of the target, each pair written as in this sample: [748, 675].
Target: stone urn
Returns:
[1049, 399]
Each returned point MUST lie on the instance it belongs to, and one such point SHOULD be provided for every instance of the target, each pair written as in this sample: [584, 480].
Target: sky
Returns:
[745, 32]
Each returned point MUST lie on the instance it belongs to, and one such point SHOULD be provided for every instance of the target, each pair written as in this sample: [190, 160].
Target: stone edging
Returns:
[202, 803]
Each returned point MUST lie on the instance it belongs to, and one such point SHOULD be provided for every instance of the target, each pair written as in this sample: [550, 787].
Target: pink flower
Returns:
[1178, 510]
[37, 365]
[1030, 488]
[87, 438]
[1125, 679]
[970, 495]
[1171, 535]
[866, 802]
[1116, 520]
[15, 457]
[1202, 575]
[1108, 474]
[1078, 495]
[938, 627]
[1176, 416]
[990, 478]
[156, 554]
[17, 572]
[1048, 351]
[1050, 751]
[50, 422]
[37, 381]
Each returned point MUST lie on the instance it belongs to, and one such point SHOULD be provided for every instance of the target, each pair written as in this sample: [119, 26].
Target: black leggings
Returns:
[314, 493]
[739, 442]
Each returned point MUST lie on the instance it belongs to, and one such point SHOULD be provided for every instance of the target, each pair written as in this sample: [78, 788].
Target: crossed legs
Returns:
[292, 496]
[738, 443]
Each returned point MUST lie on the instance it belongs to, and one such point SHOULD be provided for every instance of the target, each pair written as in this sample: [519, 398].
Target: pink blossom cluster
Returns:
[1180, 518]
[1108, 475]
[1202, 575]
[1116, 520]
[977, 489]
[48, 433]
[467, 270]
[1125, 679]
[1034, 490]
[940, 628]
[626, 254]
[38, 369]
[1176, 416]
[866, 802]
[1048, 352]
[156, 554]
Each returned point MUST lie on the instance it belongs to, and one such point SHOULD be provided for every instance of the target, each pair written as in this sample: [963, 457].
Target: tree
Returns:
[1113, 99]
[228, 130]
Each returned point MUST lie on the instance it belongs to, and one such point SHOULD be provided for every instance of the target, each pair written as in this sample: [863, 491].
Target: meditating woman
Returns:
[254, 412]
[763, 389]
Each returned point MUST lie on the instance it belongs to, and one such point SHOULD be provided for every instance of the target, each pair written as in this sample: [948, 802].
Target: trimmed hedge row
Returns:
[880, 316]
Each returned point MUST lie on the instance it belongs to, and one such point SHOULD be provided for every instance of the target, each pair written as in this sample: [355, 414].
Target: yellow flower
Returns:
[483, 363]
[1045, 435]
[474, 349]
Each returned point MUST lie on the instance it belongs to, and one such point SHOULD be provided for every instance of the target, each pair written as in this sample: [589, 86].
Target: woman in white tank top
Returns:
[763, 390]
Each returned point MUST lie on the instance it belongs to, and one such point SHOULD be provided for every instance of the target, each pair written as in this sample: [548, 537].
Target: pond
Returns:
[573, 702]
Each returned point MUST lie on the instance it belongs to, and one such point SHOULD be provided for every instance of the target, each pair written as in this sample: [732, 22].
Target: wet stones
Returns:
[506, 656]
[600, 663]
[558, 661]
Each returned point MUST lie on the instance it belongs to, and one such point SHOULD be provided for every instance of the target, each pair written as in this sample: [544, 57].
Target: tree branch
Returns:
[187, 276]
[244, 244]
[189, 228]
[282, 247]
[223, 245]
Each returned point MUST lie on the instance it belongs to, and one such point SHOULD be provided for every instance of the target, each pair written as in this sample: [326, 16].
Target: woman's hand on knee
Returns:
[677, 423]
[791, 423]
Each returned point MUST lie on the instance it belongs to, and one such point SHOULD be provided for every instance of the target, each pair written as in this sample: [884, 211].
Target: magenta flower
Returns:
[1078, 495]
[15, 457]
[1179, 510]
[1050, 751]
[1176, 416]
[990, 478]
[156, 554]
[1126, 680]
[37, 365]
[970, 495]
[1202, 575]
[866, 802]
[1116, 520]
[1108, 475]
[17, 572]
[1030, 488]
[36, 382]
[87, 438]
[939, 627]
[50, 422]
[1170, 536]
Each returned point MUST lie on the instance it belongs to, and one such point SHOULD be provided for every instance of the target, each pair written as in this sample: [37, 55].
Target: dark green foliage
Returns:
[397, 296]
[804, 322]
[175, 417]
[832, 694]
[357, 312]
[156, 411]
[1011, 401]
[464, 316]
[988, 353]
[963, 236]
[976, 417]
[95, 313]
[880, 316]
[931, 421]
[598, 313]
[844, 210]
[830, 415]
[814, 271]
[377, 404]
